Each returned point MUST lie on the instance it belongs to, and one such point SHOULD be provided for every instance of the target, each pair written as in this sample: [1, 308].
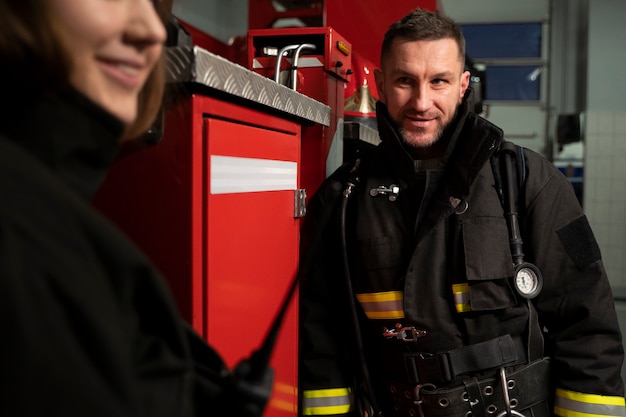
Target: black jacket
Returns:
[88, 326]
[437, 258]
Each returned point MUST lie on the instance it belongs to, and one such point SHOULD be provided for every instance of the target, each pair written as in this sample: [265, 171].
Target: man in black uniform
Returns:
[453, 320]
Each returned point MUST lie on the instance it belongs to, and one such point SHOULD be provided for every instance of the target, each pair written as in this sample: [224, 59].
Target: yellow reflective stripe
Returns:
[590, 398]
[326, 411]
[326, 401]
[325, 393]
[383, 305]
[461, 297]
[576, 404]
[380, 296]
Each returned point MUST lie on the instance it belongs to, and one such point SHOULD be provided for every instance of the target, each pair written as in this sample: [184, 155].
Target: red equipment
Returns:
[316, 62]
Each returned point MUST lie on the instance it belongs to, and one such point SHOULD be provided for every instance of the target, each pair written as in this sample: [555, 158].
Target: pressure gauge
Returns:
[528, 280]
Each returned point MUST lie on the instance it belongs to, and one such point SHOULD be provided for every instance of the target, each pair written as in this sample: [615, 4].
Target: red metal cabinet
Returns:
[251, 236]
[213, 206]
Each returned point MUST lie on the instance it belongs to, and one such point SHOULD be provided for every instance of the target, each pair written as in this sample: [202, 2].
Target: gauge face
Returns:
[528, 281]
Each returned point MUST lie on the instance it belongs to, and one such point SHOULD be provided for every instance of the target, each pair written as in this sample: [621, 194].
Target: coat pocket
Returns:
[376, 266]
[488, 263]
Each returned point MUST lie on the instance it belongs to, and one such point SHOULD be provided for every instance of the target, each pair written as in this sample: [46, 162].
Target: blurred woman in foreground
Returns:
[88, 326]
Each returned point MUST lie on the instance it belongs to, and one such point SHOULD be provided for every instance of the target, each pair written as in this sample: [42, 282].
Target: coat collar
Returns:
[471, 141]
[76, 139]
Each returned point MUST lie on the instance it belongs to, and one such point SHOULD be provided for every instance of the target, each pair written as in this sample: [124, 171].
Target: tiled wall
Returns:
[605, 190]
[605, 153]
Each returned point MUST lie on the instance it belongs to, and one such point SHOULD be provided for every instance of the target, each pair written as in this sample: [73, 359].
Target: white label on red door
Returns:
[230, 174]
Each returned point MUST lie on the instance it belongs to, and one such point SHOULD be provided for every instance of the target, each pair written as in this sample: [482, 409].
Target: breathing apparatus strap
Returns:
[509, 169]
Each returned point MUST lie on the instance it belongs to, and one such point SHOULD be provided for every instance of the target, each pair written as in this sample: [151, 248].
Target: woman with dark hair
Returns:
[89, 327]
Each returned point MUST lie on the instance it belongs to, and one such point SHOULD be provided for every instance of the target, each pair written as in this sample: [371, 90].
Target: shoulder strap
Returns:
[510, 176]
[518, 158]
[509, 170]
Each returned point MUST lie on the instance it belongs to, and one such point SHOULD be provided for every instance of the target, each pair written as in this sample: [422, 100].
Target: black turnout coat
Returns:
[89, 327]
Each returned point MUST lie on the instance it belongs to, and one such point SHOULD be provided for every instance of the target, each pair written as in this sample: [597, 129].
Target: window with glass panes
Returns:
[512, 56]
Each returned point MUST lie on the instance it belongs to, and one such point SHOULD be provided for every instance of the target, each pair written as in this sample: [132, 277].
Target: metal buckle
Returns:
[505, 394]
[406, 334]
[418, 398]
[391, 192]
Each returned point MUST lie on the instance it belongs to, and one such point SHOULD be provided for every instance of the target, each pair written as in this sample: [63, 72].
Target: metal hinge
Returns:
[299, 203]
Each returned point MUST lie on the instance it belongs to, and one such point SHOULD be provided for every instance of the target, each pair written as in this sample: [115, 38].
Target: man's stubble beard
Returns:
[406, 137]
[435, 147]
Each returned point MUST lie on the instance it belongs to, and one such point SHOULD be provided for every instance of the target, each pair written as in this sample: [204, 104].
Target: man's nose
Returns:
[421, 98]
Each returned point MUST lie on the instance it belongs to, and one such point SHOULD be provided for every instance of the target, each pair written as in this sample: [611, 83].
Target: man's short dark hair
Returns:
[423, 25]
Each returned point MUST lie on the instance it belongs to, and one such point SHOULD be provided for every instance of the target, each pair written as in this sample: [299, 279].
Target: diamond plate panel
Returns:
[196, 65]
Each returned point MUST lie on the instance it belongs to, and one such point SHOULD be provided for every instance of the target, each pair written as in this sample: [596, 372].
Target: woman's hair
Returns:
[31, 55]
[149, 102]
[34, 61]
[423, 25]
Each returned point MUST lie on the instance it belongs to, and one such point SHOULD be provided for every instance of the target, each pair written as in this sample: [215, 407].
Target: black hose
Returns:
[373, 409]
[515, 239]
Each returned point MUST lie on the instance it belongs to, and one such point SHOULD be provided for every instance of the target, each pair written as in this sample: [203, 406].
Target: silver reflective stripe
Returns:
[570, 403]
[383, 305]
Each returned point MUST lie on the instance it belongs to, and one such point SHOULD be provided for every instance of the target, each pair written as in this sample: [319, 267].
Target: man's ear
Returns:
[380, 84]
[465, 79]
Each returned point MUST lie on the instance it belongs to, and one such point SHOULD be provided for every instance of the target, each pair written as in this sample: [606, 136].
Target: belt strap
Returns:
[527, 387]
[447, 366]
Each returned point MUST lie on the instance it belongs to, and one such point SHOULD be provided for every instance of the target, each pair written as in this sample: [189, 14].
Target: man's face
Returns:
[422, 83]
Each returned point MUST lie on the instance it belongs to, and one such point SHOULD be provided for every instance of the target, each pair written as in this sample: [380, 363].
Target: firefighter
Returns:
[89, 327]
[426, 294]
